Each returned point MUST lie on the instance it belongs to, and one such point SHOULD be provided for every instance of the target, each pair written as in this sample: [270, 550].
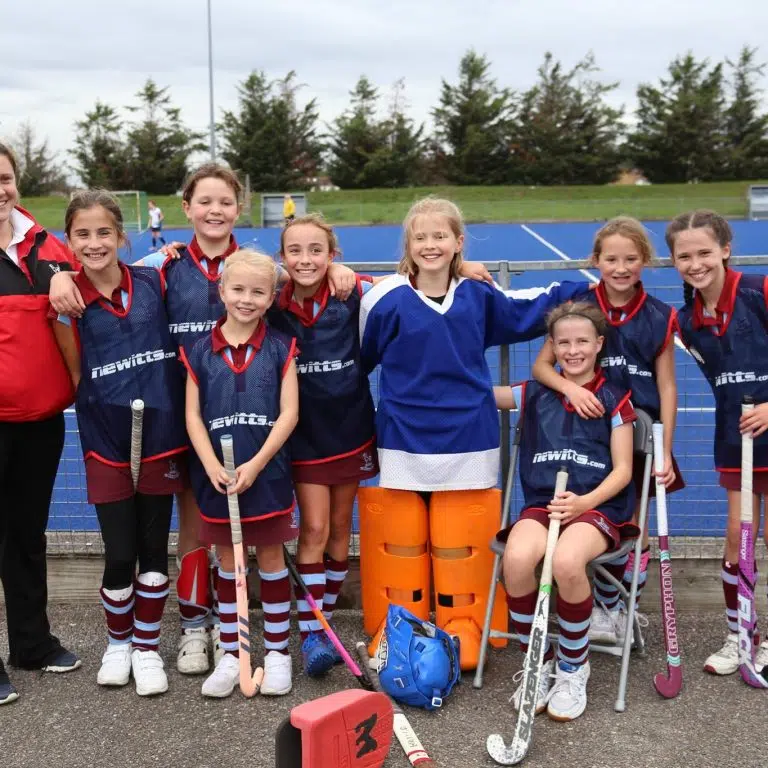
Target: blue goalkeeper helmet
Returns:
[418, 663]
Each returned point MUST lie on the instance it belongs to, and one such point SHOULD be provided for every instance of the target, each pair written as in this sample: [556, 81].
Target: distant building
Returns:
[322, 184]
[634, 177]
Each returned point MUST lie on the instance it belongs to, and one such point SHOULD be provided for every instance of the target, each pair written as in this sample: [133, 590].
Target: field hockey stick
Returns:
[137, 425]
[534, 659]
[401, 727]
[746, 606]
[667, 685]
[250, 682]
[362, 678]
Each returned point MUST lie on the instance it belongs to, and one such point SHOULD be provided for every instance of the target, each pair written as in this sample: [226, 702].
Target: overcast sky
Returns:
[59, 57]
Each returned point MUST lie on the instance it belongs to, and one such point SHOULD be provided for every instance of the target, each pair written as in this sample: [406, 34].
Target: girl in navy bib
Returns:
[639, 354]
[594, 511]
[242, 381]
[723, 325]
[120, 350]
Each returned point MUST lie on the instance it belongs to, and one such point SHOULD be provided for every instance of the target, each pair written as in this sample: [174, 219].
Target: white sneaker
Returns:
[602, 624]
[192, 658]
[726, 660]
[761, 657]
[223, 680]
[545, 683]
[115, 665]
[148, 673]
[218, 651]
[621, 623]
[277, 674]
[568, 697]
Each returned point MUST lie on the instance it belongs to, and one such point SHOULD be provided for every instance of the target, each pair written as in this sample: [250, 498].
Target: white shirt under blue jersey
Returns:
[437, 426]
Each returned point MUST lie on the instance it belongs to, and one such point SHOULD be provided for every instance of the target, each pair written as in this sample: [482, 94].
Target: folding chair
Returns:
[643, 444]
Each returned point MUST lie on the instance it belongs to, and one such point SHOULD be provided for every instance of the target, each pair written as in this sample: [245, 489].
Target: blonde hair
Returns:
[627, 227]
[431, 206]
[582, 309]
[316, 220]
[253, 259]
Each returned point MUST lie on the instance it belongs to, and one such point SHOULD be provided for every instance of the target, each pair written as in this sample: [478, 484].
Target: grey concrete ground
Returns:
[67, 720]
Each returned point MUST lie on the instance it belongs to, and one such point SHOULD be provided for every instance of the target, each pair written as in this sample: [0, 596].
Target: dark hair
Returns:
[700, 219]
[85, 199]
[6, 151]
[211, 171]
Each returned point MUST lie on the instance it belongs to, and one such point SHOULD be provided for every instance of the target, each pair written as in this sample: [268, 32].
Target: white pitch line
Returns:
[588, 275]
[558, 252]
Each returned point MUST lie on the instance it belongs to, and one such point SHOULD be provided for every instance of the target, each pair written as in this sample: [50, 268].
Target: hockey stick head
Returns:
[669, 685]
[250, 686]
[504, 755]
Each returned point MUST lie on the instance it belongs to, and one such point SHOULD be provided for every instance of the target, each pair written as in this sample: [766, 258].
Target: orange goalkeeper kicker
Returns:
[394, 554]
[250, 684]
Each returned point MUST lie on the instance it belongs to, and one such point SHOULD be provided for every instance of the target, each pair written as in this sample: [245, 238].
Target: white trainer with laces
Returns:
[218, 651]
[223, 680]
[277, 674]
[726, 660]
[192, 658]
[148, 673]
[545, 683]
[115, 665]
[621, 623]
[568, 697]
[602, 624]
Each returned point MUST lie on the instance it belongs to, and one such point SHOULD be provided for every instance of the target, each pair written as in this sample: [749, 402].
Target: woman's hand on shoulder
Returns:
[65, 296]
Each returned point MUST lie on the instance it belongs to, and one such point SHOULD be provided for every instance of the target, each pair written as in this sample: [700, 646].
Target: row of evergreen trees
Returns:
[700, 122]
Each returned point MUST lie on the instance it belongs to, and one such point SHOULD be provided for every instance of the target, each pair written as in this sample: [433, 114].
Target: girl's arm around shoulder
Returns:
[280, 432]
[520, 315]
[65, 338]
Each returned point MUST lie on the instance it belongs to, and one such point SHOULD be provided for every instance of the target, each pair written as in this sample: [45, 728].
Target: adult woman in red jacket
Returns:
[34, 390]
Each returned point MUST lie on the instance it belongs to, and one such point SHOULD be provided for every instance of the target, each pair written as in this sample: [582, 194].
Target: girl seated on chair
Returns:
[595, 511]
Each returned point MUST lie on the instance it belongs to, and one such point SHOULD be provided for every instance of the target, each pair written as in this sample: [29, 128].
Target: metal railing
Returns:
[697, 513]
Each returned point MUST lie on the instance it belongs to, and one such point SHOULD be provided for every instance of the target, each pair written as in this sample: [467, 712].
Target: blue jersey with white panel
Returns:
[437, 427]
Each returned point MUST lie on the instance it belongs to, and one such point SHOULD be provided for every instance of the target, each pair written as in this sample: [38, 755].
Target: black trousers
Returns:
[29, 459]
[131, 529]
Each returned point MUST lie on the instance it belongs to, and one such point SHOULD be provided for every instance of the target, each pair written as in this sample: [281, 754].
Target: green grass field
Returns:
[481, 204]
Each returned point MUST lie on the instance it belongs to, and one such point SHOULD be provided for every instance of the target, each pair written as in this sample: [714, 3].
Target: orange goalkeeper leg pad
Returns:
[394, 555]
[461, 526]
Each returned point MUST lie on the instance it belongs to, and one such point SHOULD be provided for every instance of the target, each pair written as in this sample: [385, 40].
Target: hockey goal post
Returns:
[133, 204]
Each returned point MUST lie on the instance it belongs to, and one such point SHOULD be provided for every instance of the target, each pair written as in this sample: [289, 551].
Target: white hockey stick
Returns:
[250, 683]
[137, 424]
[534, 659]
